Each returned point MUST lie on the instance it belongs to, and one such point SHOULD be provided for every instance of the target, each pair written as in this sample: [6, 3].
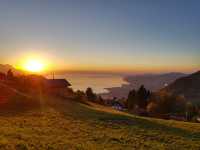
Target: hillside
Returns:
[65, 124]
[12, 100]
[188, 86]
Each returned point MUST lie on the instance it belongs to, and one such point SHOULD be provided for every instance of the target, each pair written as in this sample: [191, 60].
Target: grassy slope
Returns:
[64, 124]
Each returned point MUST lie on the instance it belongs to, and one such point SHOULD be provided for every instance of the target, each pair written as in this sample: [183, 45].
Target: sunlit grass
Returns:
[64, 124]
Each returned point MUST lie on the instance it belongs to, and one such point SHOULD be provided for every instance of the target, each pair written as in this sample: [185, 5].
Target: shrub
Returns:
[166, 104]
[90, 94]
[80, 96]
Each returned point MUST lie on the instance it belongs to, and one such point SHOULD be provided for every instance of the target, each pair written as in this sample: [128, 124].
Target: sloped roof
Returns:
[59, 83]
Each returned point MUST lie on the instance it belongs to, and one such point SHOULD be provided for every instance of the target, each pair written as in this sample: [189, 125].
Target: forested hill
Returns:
[188, 86]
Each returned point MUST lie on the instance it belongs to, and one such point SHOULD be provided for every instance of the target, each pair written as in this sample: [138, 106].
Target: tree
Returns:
[100, 100]
[191, 111]
[90, 94]
[166, 103]
[131, 101]
[79, 95]
[152, 108]
[142, 96]
[10, 75]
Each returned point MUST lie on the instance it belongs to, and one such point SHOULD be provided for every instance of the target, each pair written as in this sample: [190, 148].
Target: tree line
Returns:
[152, 104]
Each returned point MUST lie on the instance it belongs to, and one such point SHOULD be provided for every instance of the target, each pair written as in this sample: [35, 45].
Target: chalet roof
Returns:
[58, 83]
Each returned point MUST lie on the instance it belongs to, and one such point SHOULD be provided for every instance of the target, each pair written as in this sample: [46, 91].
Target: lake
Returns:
[98, 82]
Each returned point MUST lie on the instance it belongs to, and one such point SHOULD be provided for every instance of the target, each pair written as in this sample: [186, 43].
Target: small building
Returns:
[57, 83]
[117, 105]
[56, 86]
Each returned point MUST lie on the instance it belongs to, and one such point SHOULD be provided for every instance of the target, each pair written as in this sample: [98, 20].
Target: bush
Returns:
[166, 104]
[80, 96]
[90, 94]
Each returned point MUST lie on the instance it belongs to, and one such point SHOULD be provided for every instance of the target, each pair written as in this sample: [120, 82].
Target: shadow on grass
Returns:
[81, 112]
[18, 105]
[69, 108]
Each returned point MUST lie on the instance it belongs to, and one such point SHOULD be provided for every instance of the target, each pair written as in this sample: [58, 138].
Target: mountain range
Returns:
[152, 82]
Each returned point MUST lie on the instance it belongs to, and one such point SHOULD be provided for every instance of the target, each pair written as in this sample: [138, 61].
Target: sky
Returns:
[102, 35]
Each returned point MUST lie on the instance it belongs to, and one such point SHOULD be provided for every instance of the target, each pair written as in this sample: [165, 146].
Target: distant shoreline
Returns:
[153, 82]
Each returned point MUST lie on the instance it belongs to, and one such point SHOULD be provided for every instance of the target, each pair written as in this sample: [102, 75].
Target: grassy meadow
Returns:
[60, 124]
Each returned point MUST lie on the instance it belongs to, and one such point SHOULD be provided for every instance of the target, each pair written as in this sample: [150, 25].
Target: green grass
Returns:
[63, 124]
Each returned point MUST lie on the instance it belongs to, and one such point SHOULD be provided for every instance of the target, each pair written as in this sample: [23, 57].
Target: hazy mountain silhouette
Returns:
[188, 86]
[153, 82]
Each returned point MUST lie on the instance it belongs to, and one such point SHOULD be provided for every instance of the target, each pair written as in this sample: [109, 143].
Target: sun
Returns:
[34, 65]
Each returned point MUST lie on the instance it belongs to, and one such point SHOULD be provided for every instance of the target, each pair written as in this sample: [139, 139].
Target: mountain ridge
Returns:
[188, 87]
[153, 82]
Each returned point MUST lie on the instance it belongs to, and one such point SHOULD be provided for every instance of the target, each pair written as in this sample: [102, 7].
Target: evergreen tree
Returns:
[142, 96]
[131, 101]
[90, 94]
[10, 75]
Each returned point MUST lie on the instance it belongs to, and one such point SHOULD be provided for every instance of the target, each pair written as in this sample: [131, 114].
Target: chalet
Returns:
[57, 83]
[56, 86]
